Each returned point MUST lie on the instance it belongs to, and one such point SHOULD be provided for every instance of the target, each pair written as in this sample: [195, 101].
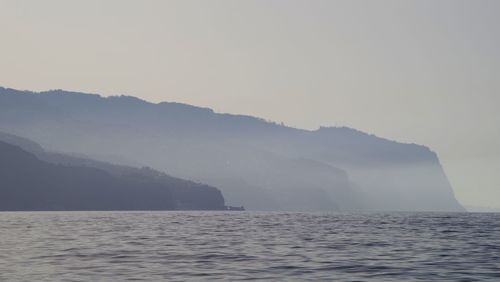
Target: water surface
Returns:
[118, 246]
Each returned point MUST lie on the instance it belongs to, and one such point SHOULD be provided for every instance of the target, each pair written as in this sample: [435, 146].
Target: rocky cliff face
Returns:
[258, 164]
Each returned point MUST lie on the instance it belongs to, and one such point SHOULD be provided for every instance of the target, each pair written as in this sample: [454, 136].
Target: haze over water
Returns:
[117, 246]
[276, 140]
[417, 71]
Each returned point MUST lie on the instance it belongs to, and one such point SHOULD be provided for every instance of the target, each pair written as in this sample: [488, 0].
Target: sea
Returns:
[236, 246]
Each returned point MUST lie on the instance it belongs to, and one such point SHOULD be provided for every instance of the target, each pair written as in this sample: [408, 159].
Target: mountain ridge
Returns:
[62, 92]
[366, 171]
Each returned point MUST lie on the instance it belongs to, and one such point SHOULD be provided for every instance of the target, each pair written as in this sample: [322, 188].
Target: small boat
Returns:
[231, 208]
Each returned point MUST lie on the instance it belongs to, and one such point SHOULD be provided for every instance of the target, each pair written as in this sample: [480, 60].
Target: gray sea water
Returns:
[200, 246]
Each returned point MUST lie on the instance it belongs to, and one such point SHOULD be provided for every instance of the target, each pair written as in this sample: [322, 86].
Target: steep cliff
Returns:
[259, 164]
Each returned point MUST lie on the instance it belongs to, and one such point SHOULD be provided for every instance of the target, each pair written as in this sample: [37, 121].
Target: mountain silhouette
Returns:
[258, 164]
[29, 182]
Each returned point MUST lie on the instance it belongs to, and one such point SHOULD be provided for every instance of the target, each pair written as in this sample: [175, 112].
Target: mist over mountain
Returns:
[33, 179]
[258, 164]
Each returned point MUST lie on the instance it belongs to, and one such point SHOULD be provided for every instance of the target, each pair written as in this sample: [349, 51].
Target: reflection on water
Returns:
[116, 246]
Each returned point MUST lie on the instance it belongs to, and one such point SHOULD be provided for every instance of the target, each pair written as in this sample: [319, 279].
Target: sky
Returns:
[425, 72]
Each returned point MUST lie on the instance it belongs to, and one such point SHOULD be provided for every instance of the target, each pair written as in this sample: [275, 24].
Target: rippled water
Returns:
[118, 246]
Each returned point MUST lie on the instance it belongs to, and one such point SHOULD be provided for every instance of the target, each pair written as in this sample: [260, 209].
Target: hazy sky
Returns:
[424, 72]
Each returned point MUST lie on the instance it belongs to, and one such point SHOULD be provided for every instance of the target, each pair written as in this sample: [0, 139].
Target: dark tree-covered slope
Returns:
[28, 183]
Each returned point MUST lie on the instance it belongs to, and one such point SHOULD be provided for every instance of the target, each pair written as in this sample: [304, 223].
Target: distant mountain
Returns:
[258, 164]
[50, 181]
